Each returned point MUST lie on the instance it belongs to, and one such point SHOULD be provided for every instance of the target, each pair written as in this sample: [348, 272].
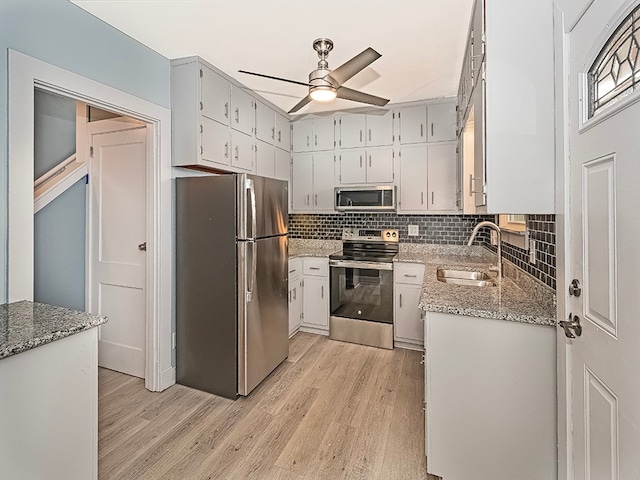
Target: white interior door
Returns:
[604, 404]
[118, 259]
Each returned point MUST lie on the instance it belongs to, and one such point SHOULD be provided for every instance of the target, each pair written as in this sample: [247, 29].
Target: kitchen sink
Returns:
[465, 277]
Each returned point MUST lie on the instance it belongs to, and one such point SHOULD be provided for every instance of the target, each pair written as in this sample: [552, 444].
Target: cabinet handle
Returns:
[432, 129]
[226, 110]
[321, 291]
[316, 200]
[201, 106]
[226, 150]
[369, 134]
[273, 132]
[431, 198]
[237, 153]
[237, 115]
[307, 199]
[400, 300]
[421, 198]
[289, 296]
[369, 161]
[294, 293]
[291, 271]
[360, 136]
[470, 183]
[360, 161]
[279, 136]
[410, 276]
[316, 140]
[422, 130]
[307, 140]
[314, 268]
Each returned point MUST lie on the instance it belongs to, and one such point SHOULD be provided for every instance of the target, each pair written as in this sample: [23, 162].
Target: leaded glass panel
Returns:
[616, 71]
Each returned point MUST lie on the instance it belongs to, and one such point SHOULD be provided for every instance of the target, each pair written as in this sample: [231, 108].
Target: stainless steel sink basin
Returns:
[464, 277]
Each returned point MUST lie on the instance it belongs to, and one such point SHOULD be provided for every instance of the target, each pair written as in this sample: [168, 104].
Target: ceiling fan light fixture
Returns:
[323, 93]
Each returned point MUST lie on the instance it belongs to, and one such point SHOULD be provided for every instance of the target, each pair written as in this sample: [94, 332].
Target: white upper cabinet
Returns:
[380, 129]
[265, 160]
[373, 166]
[282, 165]
[216, 143]
[413, 178]
[442, 177]
[313, 134]
[442, 122]
[379, 162]
[242, 110]
[283, 132]
[243, 151]
[352, 166]
[353, 130]
[216, 92]
[323, 181]
[265, 123]
[413, 124]
[302, 182]
[313, 182]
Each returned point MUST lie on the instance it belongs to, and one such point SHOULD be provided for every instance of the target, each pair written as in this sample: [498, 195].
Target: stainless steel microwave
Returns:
[365, 199]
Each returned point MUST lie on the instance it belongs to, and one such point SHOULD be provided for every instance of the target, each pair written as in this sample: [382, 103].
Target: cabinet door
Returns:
[479, 179]
[243, 153]
[216, 142]
[283, 165]
[413, 178]
[442, 176]
[442, 122]
[302, 182]
[323, 133]
[265, 159]
[302, 136]
[265, 123]
[323, 181]
[380, 129]
[283, 133]
[352, 131]
[214, 95]
[352, 166]
[379, 163]
[413, 124]
[241, 110]
[315, 302]
[478, 29]
[295, 305]
[408, 325]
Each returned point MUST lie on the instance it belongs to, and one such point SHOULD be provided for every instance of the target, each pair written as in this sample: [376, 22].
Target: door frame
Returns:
[27, 73]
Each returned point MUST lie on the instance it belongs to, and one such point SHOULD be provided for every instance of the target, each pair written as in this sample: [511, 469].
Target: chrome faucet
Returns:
[497, 229]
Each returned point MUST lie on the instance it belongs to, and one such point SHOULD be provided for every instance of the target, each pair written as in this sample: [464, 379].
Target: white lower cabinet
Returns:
[490, 398]
[408, 331]
[315, 298]
[295, 295]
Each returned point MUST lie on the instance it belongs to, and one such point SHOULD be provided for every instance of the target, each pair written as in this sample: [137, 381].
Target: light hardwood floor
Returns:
[332, 410]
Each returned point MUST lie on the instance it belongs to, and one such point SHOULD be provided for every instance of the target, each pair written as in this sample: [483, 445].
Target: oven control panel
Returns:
[371, 235]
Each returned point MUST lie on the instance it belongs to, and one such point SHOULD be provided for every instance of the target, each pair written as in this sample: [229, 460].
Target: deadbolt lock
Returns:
[574, 288]
[143, 247]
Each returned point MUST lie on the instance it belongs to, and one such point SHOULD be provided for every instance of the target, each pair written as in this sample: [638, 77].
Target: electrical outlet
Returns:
[494, 237]
[413, 231]
[532, 251]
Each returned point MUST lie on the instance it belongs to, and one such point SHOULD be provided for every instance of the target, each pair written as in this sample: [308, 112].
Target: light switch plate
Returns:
[413, 231]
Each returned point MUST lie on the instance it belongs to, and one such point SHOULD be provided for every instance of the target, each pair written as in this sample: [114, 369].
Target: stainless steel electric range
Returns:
[361, 283]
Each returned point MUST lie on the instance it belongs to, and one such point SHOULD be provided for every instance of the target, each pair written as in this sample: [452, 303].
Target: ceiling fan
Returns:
[325, 85]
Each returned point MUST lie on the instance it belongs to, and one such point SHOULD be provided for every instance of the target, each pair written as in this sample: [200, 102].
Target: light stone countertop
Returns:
[516, 298]
[313, 248]
[25, 325]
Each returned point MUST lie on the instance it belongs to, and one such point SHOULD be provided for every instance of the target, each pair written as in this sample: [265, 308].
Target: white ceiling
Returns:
[421, 41]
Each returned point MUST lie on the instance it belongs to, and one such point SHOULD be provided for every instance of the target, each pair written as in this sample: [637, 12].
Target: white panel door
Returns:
[302, 182]
[302, 136]
[413, 124]
[241, 110]
[442, 122]
[379, 165]
[215, 92]
[604, 257]
[352, 131]
[352, 166]
[442, 177]
[323, 181]
[265, 160]
[243, 154]
[323, 133]
[265, 123]
[413, 178]
[118, 211]
[283, 132]
[380, 129]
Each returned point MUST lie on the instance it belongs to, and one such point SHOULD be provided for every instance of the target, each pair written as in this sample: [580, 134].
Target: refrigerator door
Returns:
[264, 210]
[263, 335]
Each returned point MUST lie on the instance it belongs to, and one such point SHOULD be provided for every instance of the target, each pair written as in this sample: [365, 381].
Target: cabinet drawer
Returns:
[410, 273]
[295, 268]
[318, 267]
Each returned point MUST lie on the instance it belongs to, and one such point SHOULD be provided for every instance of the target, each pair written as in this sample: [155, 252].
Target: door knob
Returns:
[143, 247]
[572, 324]
[574, 288]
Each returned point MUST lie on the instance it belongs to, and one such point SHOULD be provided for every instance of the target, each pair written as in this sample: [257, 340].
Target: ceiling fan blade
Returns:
[275, 78]
[361, 61]
[300, 104]
[356, 96]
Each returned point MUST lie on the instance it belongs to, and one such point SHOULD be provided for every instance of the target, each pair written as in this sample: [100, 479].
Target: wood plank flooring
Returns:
[332, 410]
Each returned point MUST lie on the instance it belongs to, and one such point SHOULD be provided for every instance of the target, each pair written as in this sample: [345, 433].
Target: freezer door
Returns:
[264, 208]
[263, 340]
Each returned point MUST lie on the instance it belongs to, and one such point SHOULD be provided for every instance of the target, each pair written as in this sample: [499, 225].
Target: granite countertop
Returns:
[25, 325]
[515, 298]
[313, 248]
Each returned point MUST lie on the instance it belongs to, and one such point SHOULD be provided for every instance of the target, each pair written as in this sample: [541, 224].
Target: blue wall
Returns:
[58, 32]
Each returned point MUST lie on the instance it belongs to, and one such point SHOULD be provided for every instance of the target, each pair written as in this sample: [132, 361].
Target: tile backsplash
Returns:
[440, 230]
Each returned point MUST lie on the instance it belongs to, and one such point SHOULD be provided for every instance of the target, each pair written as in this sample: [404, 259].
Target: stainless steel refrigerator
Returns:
[231, 281]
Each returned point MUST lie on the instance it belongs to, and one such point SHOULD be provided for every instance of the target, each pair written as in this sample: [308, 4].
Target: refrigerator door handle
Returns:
[252, 195]
[252, 274]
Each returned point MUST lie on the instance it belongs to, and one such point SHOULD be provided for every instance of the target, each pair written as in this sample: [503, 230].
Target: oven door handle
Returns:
[361, 265]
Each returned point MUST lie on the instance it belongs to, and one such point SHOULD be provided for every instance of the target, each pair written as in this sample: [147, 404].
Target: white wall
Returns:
[58, 32]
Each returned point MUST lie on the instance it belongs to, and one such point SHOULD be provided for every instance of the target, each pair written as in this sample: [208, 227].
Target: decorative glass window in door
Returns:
[616, 70]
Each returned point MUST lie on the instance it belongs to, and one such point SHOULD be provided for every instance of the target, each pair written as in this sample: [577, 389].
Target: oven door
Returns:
[362, 290]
